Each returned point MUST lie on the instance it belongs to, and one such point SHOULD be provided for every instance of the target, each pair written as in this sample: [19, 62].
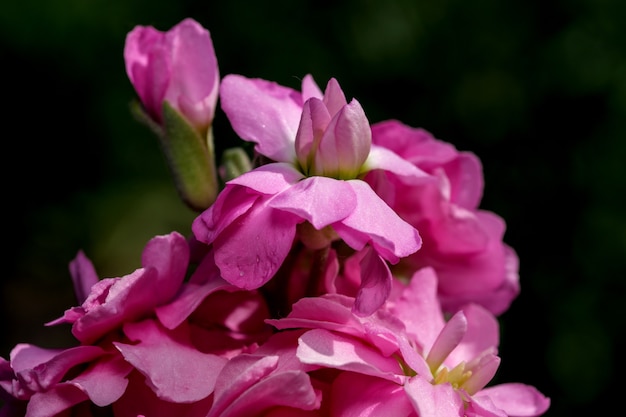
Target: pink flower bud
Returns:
[334, 137]
[178, 66]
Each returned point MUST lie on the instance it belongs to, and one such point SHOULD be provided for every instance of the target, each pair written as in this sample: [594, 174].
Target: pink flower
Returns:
[270, 381]
[460, 241]
[178, 67]
[115, 301]
[321, 145]
[425, 365]
[44, 382]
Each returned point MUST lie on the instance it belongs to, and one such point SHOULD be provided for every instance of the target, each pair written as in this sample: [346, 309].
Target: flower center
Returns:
[456, 377]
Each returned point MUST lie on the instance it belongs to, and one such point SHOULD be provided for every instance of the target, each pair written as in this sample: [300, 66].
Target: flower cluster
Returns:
[342, 268]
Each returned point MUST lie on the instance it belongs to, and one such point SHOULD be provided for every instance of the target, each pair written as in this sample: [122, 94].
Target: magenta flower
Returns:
[44, 382]
[460, 241]
[178, 67]
[320, 145]
[115, 301]
[410, 352]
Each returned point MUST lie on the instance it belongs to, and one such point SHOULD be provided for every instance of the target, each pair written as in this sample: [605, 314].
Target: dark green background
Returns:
[537, 89]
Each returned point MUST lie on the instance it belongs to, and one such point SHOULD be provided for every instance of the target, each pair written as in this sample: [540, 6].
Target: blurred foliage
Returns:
[537, 89]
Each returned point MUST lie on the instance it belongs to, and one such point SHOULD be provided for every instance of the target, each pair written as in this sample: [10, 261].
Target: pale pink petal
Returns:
[173, 367]
[433, 400]
[330, 311]
[313, 123]
[384, 159]
[364, 396]
[263, 112]
[418, 308]
[482, 406]
[517, 400]
[483, 332]
[334, 98]
[374, 222]
[449, 338]
[310, 88]
[205, 280]
[465, 172]
[483, 368]
[269, 178]
[332, 350]
[414, 359]
[315, 200]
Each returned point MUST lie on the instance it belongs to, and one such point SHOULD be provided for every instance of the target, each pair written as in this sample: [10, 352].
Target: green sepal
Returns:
[191, 159]
[235, 161]
[139, 113]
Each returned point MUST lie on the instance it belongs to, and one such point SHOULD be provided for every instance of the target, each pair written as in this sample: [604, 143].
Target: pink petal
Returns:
[334, 98]
[433, 400]
[310, 88]
[345, 144]
[266, 234]
[263, 112]
[315, 200]
[313, 122]
[419, 309]
[483, 332]
[384, 159]
[483, 368]
[169, 254]
[241, 373]
[84, 276]
[375, 284]
[376, 223]
[195, 77]
[332, 350]
[50, 403]
[147, 66]
[174, 368]
[105, 381]
[449, 338]
[364, 396]
[290, 389]
[517, 399]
